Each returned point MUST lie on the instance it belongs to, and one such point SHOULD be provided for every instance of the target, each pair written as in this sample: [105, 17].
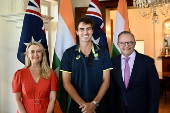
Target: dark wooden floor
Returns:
[164, 108]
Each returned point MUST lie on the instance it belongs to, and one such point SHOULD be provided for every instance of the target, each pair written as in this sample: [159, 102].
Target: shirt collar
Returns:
[131, 56]
[95, 48]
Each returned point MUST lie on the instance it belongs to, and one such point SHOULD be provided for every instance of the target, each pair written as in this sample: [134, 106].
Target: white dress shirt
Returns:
[130, 62]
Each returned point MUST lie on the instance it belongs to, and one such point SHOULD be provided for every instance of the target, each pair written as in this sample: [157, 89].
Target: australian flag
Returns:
[99, 35]
[32, 30]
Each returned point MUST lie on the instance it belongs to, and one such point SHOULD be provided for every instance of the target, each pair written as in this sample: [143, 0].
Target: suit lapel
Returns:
[136, 67]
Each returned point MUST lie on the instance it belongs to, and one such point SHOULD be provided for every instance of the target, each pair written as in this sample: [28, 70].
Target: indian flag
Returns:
[121, 24]
[65, 38]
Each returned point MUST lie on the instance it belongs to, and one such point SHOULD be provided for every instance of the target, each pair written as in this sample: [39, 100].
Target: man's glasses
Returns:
[89, 62]
[130, 43]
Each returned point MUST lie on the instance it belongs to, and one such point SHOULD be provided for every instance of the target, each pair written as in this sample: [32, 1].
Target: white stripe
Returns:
[64, 38]
[96, 7]
[33, 8]
[35, 3]
[119, 27]
[92, 9]
[96, 41]
[102, 25]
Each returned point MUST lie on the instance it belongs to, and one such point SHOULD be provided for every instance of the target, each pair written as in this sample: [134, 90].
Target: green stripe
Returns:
[62, 95]
[56, 61]
[115, 51]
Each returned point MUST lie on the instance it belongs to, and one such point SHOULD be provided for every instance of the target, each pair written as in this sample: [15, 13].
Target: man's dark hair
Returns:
[126, 32]
[85, 20]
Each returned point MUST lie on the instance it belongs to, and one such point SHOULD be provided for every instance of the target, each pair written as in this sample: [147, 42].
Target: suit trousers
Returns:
[126, 110]
[102, 108]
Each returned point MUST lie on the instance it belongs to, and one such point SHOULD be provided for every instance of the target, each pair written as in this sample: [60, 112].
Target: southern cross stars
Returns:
[32, 39]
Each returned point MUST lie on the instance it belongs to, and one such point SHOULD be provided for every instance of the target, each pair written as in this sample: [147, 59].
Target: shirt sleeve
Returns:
[16, 82]
[107, 61]
[66, 62]
[54, 81]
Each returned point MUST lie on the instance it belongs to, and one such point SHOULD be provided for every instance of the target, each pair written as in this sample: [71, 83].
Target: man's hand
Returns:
[88, 107]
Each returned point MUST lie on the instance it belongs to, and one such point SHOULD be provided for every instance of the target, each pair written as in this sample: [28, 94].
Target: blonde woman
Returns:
[34, 87]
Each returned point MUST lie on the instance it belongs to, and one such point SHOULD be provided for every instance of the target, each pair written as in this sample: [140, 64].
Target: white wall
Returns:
[80, 3]
[53, 29]
[9, 37]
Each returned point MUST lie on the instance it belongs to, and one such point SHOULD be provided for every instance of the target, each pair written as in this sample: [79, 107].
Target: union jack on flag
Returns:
[99, 35]
[32, 29]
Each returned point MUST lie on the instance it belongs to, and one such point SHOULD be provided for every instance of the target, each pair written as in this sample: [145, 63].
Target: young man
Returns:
[134, 80]
[86, 71]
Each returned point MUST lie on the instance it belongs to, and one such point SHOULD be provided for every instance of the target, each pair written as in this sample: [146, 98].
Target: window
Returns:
[44, 10]
[140, 46]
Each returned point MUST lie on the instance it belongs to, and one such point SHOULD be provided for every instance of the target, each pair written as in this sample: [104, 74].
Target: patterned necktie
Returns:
[126, 72]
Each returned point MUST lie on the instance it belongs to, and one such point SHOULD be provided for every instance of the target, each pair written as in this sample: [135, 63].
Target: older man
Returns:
[134, 79]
